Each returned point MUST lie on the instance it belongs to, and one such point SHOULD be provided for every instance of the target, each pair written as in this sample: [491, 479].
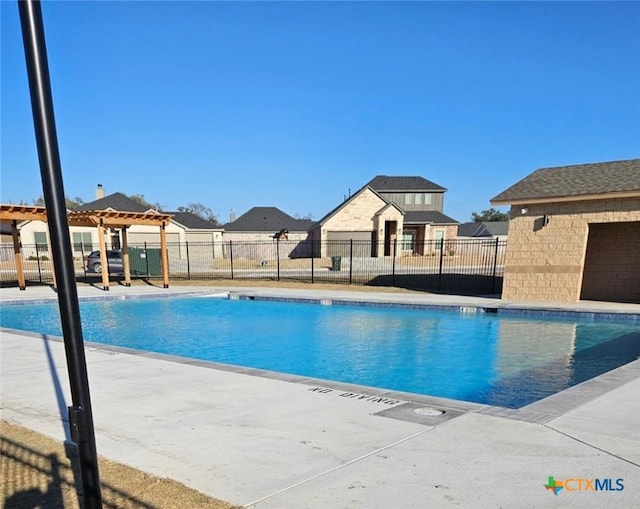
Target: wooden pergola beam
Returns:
[116, 219]
[22, 213]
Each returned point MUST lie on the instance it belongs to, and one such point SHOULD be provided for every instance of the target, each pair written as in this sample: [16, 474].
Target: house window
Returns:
[82, 242]
[438, 237]
[427, 199]
[419, 199]
[40, 238]
[407, 199]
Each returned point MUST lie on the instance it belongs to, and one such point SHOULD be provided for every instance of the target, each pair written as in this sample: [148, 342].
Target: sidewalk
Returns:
[284, 442]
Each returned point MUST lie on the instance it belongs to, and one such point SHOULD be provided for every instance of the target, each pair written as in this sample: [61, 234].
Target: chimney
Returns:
[232, 216]
[99, 192]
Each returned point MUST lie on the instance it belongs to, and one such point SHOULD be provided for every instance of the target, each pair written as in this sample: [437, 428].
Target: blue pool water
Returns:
[485, 358]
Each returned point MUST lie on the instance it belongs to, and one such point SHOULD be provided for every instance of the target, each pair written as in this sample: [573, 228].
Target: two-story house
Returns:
[405, 212]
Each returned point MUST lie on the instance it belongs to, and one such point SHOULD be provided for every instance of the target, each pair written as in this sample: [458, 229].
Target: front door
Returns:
[390, 231]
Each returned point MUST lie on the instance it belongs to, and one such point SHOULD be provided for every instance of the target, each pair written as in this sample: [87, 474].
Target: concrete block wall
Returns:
[545, 262]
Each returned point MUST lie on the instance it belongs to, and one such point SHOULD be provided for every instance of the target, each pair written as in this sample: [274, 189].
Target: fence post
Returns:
[84, 268]
[393, 264]
[146, 258]
[188, 263]
[441, 259]
[495, 264]
[312, 258]
[278, 256]
[350, 261]
[38, 260]
[231, 256]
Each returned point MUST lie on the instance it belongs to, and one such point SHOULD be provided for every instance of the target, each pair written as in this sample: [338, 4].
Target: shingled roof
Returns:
[192, 221]
[427, 216]
[384, 183]
[267, 219]
[115, 201]
[569, 182]
[483, 229]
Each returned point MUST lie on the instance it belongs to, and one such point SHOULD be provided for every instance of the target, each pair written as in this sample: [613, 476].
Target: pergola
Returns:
[99, 219]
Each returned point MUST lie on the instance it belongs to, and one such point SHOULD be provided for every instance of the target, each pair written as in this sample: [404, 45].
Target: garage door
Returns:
[339, 243]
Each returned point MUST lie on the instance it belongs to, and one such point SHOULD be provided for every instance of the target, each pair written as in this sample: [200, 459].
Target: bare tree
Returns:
[200, 210]
[71, 203]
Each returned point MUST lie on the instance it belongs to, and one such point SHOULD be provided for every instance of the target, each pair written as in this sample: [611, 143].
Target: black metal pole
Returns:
[495, 265]
[38, 260]
[350, 261]
[188, 262]
[440, 269]
[146, 258]
[80, 414]
[278, 256]
[393, 264]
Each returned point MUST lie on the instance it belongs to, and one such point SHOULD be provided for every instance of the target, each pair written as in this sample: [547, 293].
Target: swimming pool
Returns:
[508, 361]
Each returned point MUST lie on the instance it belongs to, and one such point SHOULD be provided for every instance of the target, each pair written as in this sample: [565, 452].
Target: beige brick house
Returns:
[574, 233]
[387, 211]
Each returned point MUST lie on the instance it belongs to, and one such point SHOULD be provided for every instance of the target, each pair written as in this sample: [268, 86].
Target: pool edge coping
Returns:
[538, 412]
[399, 301]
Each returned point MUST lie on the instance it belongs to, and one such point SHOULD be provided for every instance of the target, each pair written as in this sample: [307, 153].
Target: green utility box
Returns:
[145, 262]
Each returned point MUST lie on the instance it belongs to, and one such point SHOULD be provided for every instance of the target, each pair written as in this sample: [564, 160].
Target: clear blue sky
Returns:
[235, 105]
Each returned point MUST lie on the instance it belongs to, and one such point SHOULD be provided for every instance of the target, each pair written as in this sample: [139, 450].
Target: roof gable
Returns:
[384, 183]
[115, 201]
[589, 180]
[390, 205]
[267, 219]
[339, 207]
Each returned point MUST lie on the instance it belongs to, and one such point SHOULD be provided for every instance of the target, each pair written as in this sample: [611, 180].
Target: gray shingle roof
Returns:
[497, 227]
[483, 229]
[427, 216]
[473, 229]
[267, 219]
[576, 180]
[385, 183]
[192, 221]
[116, 201]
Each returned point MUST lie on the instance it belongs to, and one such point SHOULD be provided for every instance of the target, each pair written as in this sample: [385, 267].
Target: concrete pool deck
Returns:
[275, 441]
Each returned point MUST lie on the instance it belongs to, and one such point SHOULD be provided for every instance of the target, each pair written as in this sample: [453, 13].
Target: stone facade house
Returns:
[387, 211]
[574, 233]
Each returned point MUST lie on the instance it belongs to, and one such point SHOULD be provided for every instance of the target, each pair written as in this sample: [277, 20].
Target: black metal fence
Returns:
[455, 266]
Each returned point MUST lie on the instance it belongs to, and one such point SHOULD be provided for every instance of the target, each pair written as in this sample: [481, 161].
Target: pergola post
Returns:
[104, 262]
[49, 252]
[125, 258]
[163, 256]
[15, 235]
